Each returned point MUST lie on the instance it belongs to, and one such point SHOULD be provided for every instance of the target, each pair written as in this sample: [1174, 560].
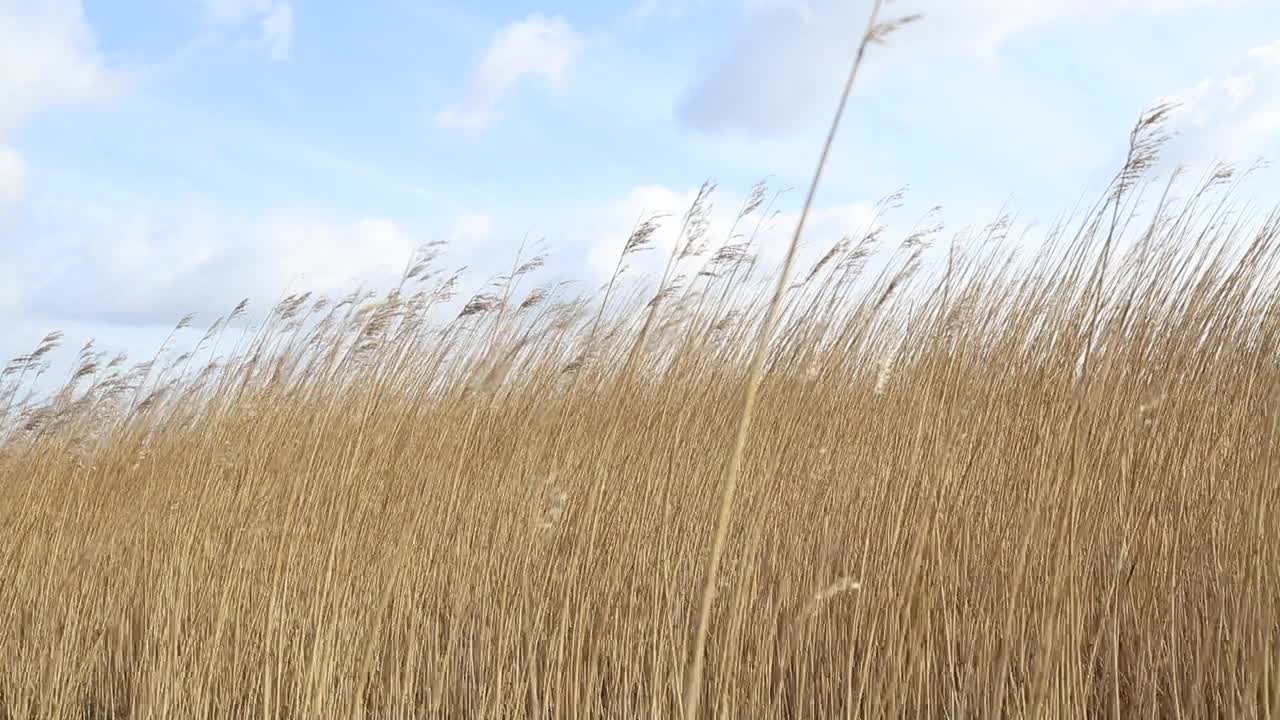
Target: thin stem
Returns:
[693, 683]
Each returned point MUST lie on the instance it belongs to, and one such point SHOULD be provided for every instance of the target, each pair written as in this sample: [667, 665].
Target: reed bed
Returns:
[978, 484]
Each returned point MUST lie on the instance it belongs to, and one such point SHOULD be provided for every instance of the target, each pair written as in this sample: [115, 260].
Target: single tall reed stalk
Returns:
[733, 466]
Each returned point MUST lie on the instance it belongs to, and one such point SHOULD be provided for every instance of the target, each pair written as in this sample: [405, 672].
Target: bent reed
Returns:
[987, 486]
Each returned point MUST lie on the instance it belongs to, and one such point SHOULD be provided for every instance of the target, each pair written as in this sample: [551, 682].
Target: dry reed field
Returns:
[996, 485]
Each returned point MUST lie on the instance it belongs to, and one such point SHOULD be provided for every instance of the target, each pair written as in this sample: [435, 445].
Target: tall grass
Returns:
[993, 486]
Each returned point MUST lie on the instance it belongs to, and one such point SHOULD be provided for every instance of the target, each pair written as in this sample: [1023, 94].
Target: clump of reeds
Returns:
[991, 485]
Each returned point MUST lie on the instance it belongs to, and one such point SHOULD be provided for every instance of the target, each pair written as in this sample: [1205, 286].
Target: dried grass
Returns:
[1034, 488]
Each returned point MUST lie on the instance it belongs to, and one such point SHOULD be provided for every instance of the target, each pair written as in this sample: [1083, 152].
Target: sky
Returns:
[165, 158]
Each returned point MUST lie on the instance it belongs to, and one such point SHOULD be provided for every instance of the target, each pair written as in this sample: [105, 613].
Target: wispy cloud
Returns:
[273, 19]
[537, 46]
[140, 268]
[644, 10]
[776, 70]
[13, 176]
[48, 58]
[1232, 116]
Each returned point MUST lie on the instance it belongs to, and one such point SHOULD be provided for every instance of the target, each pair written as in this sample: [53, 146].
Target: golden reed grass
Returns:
[986, 487]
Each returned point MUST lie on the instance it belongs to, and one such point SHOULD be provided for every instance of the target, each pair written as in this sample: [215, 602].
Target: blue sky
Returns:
[163, 158]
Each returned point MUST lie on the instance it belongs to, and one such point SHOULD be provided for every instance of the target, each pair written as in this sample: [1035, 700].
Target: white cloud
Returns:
[274, 20]
[992, 22]
[148, 267]
[1232, 117]
[145, 267]
[537, 46]
[277, 27]
[236, 10]
[12, 177]
[10, 287]
[327, 257]
[470, 229]
[47, 59]
[644, 10]
[783, 64]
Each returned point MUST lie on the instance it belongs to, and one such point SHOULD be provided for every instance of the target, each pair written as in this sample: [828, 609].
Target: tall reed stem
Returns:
[729, 484]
